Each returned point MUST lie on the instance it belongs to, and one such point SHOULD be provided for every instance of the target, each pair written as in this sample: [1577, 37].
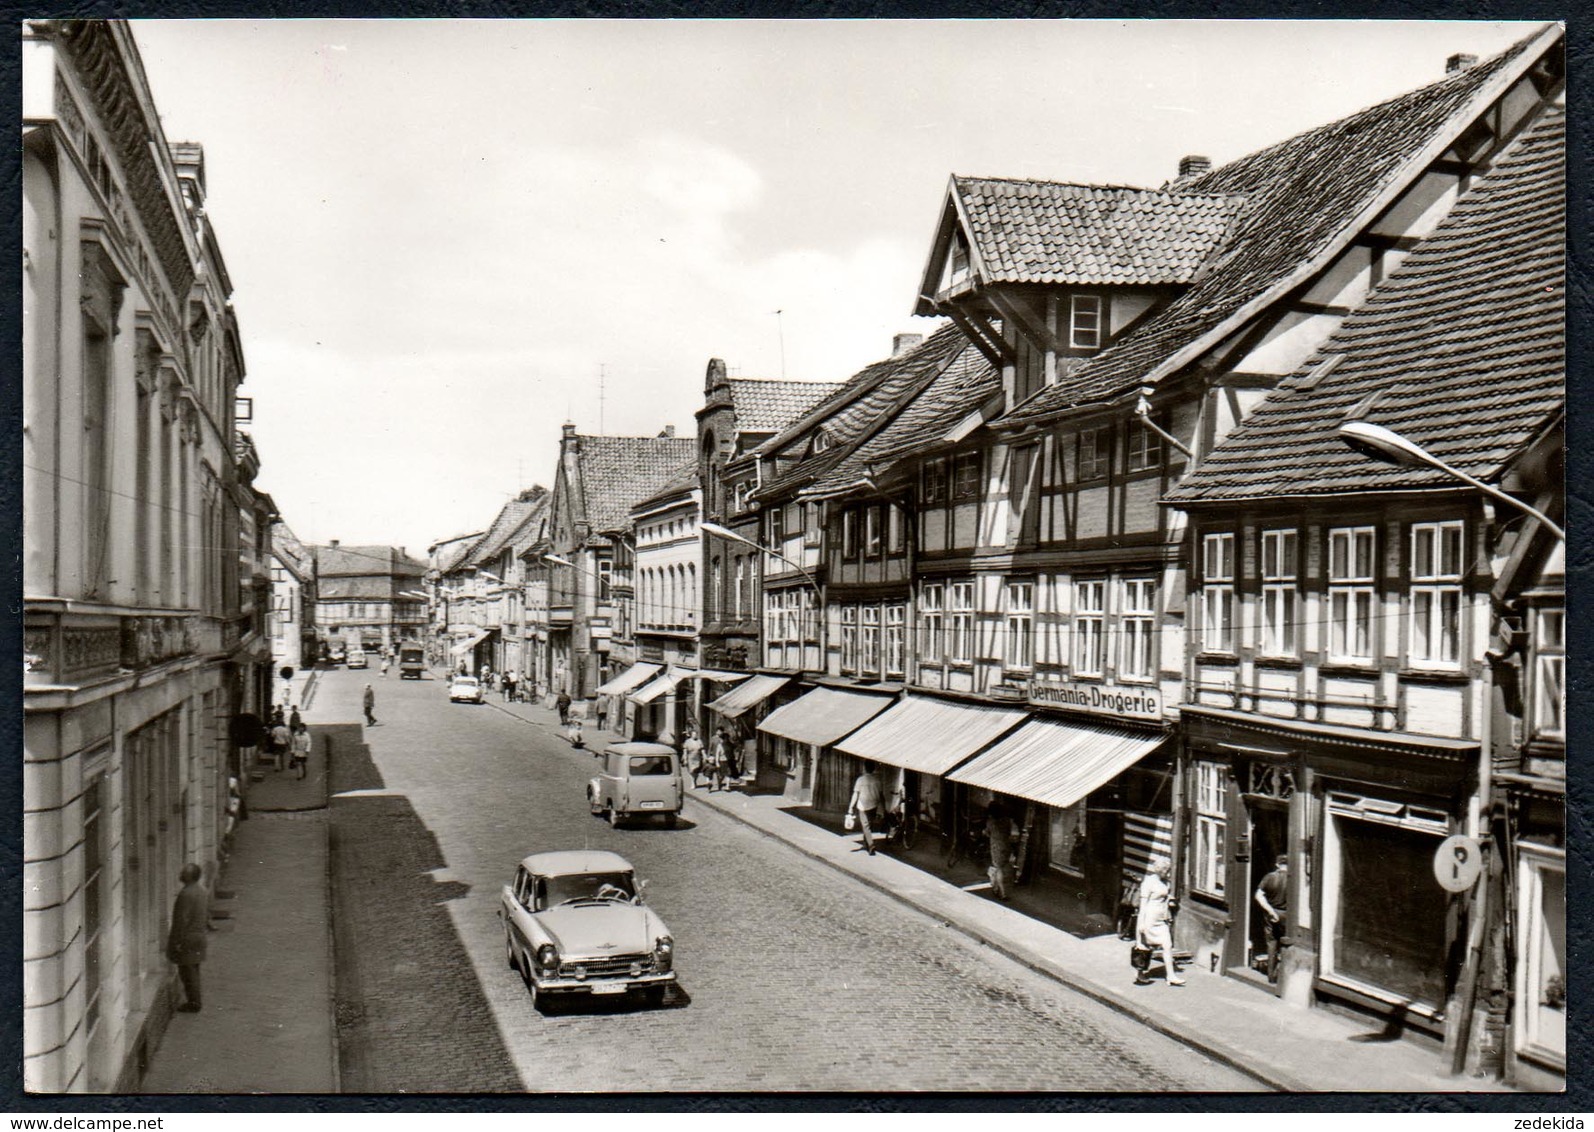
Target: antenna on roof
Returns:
[780, 326]
[602, 373]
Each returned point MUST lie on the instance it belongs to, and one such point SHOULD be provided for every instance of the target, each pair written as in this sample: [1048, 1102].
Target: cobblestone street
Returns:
[792, 977]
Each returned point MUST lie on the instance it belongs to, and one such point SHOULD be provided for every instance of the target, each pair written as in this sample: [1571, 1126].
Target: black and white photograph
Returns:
[793, 558]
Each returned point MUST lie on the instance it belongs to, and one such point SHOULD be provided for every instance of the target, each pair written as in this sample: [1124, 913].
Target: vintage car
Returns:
[575, 924]
[636, 778]
[356, 659]
[466, 690]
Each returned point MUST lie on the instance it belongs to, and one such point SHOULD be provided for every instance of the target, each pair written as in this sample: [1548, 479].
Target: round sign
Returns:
[287, 672]
[1457, 863]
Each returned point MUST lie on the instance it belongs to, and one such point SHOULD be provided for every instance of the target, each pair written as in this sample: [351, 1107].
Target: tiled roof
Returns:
[449, 552]
[1046, 232]
[765, 405]
[963, 386]
[618, 470]
[514, 515]
[1302, 197]
[1461, 350]
[681, 483]
[353, 561]
[868, 400]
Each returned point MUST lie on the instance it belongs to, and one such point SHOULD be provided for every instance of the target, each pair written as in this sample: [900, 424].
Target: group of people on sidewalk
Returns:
[719, 762]
[288, 741]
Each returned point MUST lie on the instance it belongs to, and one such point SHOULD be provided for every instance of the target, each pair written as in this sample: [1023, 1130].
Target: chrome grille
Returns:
[608, 966]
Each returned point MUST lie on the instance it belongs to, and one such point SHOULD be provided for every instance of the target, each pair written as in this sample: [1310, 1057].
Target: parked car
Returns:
[575, 924]
[637, 778]
[336, 656]
[357, 659]
[466, 690]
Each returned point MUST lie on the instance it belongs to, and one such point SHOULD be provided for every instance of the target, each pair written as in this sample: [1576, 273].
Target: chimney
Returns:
[333, 543]
[1193, 165]
[715, 377]
[668, 433]
[1460, 63]
[902, 343]
[567, 430]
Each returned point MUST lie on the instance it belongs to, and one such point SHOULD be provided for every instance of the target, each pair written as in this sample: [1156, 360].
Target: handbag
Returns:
[850, 822]
[1140, 957]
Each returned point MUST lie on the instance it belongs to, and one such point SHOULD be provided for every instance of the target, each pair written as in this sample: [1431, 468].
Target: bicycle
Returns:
[971, 843]
[903, 825]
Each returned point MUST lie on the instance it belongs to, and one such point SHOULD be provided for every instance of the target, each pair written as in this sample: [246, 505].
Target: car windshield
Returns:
[468, 681]
[643, 765]
[587, 886]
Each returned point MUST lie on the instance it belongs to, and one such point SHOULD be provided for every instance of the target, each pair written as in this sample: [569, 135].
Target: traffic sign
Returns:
[1457, 863]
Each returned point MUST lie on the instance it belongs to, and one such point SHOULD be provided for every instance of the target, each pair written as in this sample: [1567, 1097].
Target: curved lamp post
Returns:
[726, 533]
[1390, 447]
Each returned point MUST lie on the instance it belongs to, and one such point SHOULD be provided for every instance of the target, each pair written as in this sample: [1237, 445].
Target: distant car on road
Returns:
[575, 924]
[336, 656]
[357, 660]
[465, 690]
[412, 661]
[637, 778]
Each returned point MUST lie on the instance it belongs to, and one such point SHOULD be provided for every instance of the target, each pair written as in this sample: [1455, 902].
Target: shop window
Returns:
[1095, 453]
[1217, 593]
[935, 482]
[849, 638]
[1084, 322]
[896, 639]
[1435, 594]
[869, 638]
[1018, 604]
[966, 475]
[1137, 623]
[1066, 841]
[1350, 594]
[930, 622]
[960, 613]
[1280, 595]
[872, 534]
[1541, 967]
[1143, 452]
[1549, 674]
[1211, 828]
[1090, 615]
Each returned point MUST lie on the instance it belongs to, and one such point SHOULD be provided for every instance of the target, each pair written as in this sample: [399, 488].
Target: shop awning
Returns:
[1058, 763]
[470, 642]
[633, 677]
[824, 715]
[749, 694]
[716, 675]
[931, 736]
[660, 685]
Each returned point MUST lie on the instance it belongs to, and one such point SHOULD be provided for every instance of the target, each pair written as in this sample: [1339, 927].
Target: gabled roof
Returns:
[293, 554]
[682, 483]
[617, 470]
[1461, 350]
[767, 405]
[864, 404]
[1048, 232]
[508, 523]
[967, 382]
[1305, 199]
[357, 561]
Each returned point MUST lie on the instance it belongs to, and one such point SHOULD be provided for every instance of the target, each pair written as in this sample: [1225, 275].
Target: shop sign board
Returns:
[1120, 701]
[1457, 863]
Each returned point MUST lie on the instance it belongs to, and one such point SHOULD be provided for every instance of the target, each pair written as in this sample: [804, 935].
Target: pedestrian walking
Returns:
[1272, 896]
[866, 797]
[1154, 922]
[369, 703]
[510, 680]
[692, 755]
[295, 720]
[301, 750]
[185, 945]
[562, 703]
[281, 740]
[384, 668]
[603, 713]
[999, 830]
[733, 754]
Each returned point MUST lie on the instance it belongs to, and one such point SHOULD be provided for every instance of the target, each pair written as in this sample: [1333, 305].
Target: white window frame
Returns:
[1549, 672]
[1210, 865]
[849, 638]
[1018, 607]
[1143, 449]
[1281, 598]
[1137, 630]
[1352, 594]
[960, 622]
[869, 638]
[1090, 623]
[1534, 861]
[1085, 317]
[1435, 596]
[932, 622]
[896, 639]
[1098, 464]
[1217, 592]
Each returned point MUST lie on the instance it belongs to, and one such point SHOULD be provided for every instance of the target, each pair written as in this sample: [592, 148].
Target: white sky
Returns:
[439, 231]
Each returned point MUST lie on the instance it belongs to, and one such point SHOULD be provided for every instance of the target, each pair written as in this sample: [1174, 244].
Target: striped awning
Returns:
[1057, 763]
[471, 642]
[660, 685]
[824, 715]
[633, 677]
[747, 695]
[929, 735]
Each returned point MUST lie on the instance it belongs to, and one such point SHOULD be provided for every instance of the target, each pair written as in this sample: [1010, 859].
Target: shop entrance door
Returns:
[1268, 827]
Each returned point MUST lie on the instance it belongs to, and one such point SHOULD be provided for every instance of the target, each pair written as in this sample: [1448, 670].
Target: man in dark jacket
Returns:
[186, 944]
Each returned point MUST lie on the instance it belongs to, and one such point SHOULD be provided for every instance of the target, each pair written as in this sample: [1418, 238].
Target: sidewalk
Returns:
[267, 1025]
[1285, 1047]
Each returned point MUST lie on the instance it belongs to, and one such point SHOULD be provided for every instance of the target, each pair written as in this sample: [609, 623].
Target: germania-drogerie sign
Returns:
[1125, 701]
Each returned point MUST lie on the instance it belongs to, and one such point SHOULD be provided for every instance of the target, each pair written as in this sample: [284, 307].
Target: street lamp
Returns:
[726, 533]
[1390, 447]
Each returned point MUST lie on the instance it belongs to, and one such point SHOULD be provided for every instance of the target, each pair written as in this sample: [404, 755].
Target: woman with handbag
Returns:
[1154, 921]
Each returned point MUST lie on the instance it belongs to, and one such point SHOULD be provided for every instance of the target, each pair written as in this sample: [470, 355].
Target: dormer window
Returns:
[1084, 322]
[821, 442]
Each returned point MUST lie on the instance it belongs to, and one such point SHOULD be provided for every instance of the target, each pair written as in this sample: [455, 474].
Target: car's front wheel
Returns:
[654, 996]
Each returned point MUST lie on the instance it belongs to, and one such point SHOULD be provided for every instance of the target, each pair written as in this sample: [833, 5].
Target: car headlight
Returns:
[663, 952]
[548, 957]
